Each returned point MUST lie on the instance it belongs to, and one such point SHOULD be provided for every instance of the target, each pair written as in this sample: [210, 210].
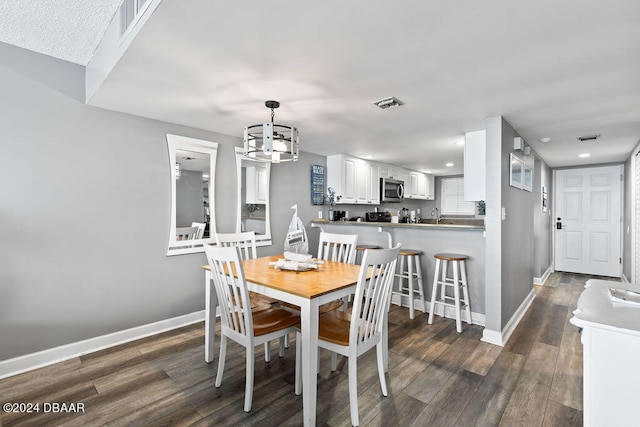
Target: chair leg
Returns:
[248, 391]
[221, 359]
[298, 369]
[456, 294]
[267, 352]
[281, 351]
[286, 341]
[381, 370]
[434, 291]
[410, 285]
[334, 361]
[353, 389]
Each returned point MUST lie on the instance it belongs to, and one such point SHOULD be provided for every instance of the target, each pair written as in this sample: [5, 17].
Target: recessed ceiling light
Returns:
[449, 165]
[584, 155]
[545, 140]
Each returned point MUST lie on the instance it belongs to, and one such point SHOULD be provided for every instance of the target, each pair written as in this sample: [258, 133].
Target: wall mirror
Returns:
[253, 213]
[193, 222]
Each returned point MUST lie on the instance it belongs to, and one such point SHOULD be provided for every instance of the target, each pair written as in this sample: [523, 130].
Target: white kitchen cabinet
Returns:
[257, 185]
[611, 344]
[431, 187]
[389, 171]
[474, 165]
[373, 190]
[420, 186]
[350, 177]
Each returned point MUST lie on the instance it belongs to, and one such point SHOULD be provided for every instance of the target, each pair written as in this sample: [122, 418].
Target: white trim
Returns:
[545, 276]
[501, 338]
[624, 278]
[50, 356]
[449, 312]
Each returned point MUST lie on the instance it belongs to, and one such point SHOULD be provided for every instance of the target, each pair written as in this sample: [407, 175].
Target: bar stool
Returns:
[360, 251]
[413, 274]
[459, 280]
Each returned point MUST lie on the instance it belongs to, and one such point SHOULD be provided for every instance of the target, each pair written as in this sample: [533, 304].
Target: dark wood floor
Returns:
[436, 377]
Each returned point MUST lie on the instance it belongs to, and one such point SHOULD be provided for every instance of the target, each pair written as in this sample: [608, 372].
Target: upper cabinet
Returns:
[474, 166]
[358, 180]
[352, 178]
[420, 186]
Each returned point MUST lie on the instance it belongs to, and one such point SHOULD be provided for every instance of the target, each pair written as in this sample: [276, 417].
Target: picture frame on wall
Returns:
[527, 177]
[516, 174]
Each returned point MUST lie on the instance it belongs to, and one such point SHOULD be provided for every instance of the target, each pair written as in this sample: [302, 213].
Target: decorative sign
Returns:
[317, 185]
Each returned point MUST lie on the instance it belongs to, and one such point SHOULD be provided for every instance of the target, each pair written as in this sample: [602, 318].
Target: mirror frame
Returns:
[178, 142]
[261, 239]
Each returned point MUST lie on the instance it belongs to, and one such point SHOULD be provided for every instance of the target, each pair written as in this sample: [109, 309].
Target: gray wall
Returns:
[84, 231]
[510, 242]
[542, 246]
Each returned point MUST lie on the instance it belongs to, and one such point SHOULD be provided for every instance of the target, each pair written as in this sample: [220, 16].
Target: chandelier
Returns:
[271, 142]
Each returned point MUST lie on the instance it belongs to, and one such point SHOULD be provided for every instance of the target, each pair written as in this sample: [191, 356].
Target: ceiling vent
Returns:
[586, 138]
[386, 103]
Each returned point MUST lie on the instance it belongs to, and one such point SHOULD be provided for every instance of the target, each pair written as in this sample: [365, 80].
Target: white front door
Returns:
[588, 218]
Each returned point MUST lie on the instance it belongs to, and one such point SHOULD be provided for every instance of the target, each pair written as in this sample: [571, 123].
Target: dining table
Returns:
[305, 289]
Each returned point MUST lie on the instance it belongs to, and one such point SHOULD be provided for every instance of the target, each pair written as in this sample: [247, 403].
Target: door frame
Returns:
[555, 213]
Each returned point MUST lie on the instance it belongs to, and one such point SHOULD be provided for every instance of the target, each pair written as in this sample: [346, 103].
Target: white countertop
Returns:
[597, 310]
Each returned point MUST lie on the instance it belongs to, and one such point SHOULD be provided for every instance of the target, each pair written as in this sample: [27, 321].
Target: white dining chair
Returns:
[237, 320]
[340, 248]
[246, 242]
[200, 226]
[186, 233]
[364, 329]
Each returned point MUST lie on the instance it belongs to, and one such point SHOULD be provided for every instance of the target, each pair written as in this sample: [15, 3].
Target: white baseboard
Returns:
[50, 356]
[501, 337]
[448, 312]
[545, 276]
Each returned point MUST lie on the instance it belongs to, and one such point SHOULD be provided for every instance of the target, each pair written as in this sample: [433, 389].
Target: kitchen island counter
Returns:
[466, 238]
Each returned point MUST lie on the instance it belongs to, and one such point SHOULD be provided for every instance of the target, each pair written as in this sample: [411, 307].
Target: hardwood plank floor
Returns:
[436, 377]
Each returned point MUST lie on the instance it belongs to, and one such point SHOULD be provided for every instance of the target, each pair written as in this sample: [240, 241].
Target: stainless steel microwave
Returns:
[391, 190]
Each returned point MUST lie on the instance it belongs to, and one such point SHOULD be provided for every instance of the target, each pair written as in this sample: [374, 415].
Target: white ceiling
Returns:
[552, 69]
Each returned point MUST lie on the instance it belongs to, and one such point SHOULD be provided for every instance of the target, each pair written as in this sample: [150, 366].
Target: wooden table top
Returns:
[328, 277]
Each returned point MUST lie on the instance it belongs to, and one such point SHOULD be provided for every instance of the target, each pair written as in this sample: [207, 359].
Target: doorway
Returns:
[588, 221]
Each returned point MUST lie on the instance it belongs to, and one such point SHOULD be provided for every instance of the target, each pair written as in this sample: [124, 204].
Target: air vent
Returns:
[586, 138]
[386, 103]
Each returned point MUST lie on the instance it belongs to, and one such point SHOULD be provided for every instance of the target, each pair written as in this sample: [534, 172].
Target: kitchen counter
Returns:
[445, 224]
[465, 236]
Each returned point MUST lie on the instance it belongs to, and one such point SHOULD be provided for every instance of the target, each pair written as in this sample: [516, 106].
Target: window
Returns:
[452, 198]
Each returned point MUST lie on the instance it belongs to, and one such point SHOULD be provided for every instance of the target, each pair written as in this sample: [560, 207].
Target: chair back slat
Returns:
[246, 241]
[337, 247]
[232, 292]
[373, 295]
[186, 233]
[201, 226]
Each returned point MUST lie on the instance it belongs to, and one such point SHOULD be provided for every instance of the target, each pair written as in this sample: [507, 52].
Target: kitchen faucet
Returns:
[435, 212]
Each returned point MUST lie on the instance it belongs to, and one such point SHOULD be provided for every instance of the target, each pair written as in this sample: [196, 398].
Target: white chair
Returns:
[340, 248]
[186, 233]
[237, 320]
[365, 328]
[201, 226]
[246, 242]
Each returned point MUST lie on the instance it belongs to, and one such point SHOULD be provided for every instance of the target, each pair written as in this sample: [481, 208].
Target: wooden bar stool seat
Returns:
[456, 282]
[360, 251]
[413, 276]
